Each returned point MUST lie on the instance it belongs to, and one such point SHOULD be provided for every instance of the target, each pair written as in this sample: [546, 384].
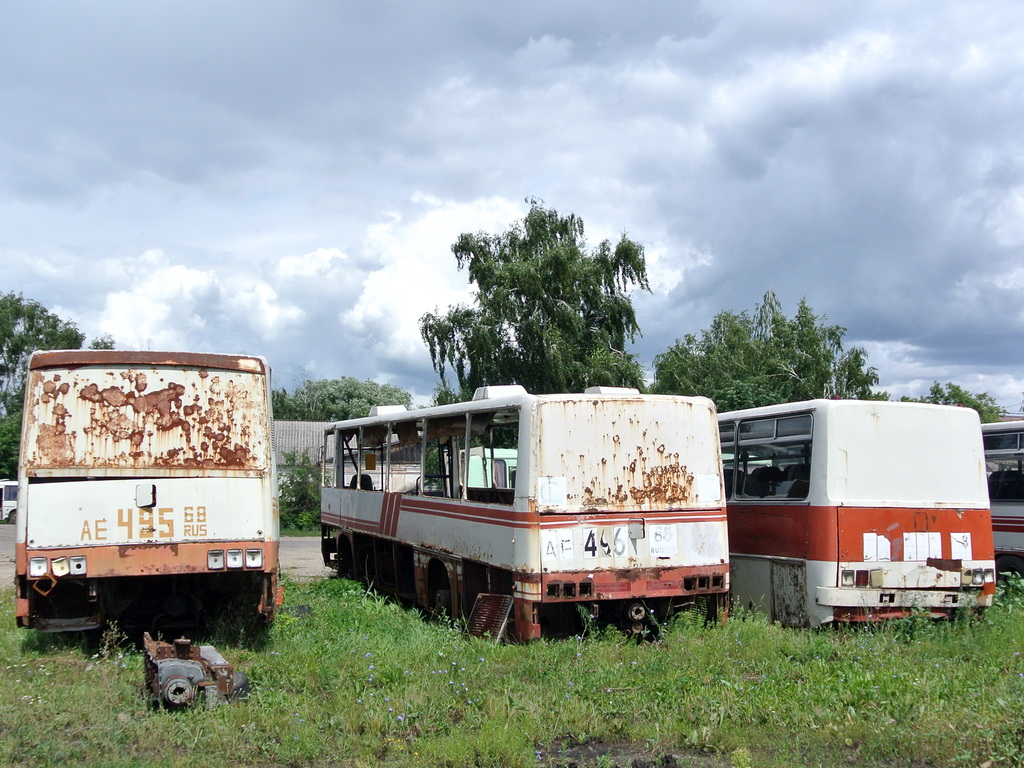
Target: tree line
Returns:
[555, 316]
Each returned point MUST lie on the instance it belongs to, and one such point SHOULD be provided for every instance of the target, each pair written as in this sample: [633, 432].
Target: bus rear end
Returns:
[913, 521]
[631, 513]
[857, 511]
[146, 491]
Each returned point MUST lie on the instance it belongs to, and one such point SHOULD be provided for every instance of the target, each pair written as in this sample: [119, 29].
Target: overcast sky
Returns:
[287, 178]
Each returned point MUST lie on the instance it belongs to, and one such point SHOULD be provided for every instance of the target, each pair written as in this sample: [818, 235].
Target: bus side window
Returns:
[492, 457]
[403, 463]
[365, 482]
[798, 477]
[346, 459]
[1006, 485]
[766, 480]
[740, 483]
[776, 454]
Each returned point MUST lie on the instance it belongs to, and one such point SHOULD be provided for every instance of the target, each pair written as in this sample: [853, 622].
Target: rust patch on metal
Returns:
[124, 417]
[148, 551]
[54, 439]
[662, 480]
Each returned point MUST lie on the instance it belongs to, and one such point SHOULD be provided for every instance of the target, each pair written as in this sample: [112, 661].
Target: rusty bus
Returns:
[613, 512]
[147, 490]
[843, 510]
[1004, 466]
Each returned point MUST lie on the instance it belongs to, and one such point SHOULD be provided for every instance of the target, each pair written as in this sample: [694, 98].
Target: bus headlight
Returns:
[254, 558]
[78, 565]
[215, 559]
[976, 577]
[234, 558]
[847, 578]
[37, 567]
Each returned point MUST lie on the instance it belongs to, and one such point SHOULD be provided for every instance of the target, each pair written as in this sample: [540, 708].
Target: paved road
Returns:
[300, 556]
[6, 554]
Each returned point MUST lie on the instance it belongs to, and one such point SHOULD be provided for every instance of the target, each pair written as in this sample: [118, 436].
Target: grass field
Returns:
[356, 680]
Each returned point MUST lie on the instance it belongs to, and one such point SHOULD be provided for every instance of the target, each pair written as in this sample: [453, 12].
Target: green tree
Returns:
[336, 399]
[10, 441]
[547, 314]
[299, 492]
[751, 359]
[952, 394]
[25, 326]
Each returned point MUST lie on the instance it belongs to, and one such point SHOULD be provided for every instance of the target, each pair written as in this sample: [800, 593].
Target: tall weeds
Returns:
[346, 678]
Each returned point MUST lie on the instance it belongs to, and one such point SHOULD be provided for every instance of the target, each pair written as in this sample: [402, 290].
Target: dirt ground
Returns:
[300, 556]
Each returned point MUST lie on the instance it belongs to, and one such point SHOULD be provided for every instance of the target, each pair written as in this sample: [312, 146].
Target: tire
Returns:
[1009, 564]
[241, 681]
[13, 517]
[344, 560]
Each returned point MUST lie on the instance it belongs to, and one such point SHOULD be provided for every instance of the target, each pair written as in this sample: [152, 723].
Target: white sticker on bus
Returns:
[557, 545]
[552, 491]
[709, 487]
[921, 545]
[663, 541]
[960, 546]
[876, 548]
[605, 542]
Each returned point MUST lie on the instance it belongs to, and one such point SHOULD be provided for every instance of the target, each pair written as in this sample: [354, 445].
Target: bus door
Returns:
[772, 530]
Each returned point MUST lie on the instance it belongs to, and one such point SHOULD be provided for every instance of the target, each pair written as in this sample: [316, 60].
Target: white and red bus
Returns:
[844, 510]
[1004, 464]
[147, 490]
[542, 511]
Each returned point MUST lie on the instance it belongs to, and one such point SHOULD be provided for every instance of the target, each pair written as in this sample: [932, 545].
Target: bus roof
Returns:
[506, 399]
[75, 358]
[1017, 425]
[806, 406]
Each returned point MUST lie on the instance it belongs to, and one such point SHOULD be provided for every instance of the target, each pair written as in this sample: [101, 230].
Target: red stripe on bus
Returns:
[837, 533]
[393, 504]
[704, 516]
[389, 520]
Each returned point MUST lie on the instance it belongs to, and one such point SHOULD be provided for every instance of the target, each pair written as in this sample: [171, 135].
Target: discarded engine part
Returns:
[178, 674]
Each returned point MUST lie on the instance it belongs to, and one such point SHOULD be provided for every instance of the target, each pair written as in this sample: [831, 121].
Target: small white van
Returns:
[10, 500]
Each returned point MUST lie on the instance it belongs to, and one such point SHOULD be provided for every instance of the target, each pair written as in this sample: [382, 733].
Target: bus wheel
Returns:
[13, 517]
[439, 589]
[1009, 564]
[346, 569]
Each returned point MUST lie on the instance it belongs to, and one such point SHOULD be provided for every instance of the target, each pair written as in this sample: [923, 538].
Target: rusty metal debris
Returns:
[180, 674]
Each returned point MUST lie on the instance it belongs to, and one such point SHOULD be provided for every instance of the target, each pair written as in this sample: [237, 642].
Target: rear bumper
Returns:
[906, 599]
[147, 559]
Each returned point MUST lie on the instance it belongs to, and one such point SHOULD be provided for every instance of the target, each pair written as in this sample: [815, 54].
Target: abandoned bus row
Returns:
[530, 515]
[147, 497]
